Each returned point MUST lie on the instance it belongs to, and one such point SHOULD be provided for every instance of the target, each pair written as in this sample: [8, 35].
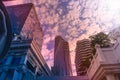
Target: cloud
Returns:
[74, 20]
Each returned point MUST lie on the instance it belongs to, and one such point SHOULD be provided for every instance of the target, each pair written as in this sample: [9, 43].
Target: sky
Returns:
[73, 20]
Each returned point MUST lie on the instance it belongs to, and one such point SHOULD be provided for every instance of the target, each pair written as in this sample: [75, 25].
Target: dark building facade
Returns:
[62, 62]
[5, 31]
[82, 56]
[24, 60]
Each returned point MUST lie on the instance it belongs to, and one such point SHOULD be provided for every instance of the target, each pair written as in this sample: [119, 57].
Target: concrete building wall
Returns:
[105, 63]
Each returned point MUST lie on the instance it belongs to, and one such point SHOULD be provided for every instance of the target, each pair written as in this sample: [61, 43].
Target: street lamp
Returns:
[5, 31]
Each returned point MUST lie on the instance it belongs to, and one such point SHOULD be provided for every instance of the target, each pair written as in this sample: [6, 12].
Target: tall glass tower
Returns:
[62, 62]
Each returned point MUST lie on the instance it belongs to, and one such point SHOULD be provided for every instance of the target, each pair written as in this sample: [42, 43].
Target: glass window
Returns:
[10, 74]
[30, 67]
[16, 60]
[2, 62]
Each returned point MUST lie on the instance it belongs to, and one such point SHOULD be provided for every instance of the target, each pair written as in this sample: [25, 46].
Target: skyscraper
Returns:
[82, 56]
[62, 62]
[24, 60]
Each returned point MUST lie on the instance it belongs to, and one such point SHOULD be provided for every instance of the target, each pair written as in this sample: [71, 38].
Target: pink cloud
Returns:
[8, 3]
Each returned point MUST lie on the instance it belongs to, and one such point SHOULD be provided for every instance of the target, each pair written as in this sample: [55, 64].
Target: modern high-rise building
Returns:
[24, 60]
[82, 56]
[62, 62]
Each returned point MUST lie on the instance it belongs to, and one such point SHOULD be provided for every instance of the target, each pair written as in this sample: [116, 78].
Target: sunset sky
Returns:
[73, 20]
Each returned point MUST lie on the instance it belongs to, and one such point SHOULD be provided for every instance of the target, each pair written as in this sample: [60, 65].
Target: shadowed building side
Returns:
[67, 59]
[5, 31]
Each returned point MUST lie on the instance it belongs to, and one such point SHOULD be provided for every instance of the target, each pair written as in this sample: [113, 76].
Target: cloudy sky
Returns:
[73, 20]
